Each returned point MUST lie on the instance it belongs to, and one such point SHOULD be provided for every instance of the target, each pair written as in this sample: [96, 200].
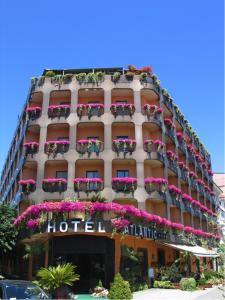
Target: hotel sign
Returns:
[103, 227]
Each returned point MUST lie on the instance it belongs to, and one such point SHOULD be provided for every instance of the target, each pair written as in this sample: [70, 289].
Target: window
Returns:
[123, 137]
[93, 137]
[93, 102]
[63, 138]
[122, 173]
[121, 101]
[61, 174]
[92, 174]
[65, 103]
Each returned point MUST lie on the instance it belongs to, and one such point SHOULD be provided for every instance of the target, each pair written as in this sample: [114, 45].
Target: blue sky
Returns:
[181, 40]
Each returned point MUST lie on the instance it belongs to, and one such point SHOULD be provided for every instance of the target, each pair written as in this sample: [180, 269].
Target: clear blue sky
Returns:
[181, 40]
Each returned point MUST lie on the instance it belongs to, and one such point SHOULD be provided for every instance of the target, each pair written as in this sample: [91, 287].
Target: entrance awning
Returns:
[196, 250]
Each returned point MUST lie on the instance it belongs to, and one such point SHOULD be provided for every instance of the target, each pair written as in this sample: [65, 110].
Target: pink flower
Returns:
[34, 108]
[155, 180]
[54, 180]
[59, 106]
[32, 223]
[119, 223]
[171, 155]
[85, 180]
[124, 179]
[60, 142]
[174, 189]
[169, 123]
[28, 144]
[187, 197]
[27, 181]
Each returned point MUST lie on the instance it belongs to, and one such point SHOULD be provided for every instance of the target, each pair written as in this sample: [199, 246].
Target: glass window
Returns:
[63, 138]
[93, 102]
[121, 101]
[123, 137]
[122, 173]
[93, 137]
[61, 174]
[92, 174]
[65, 103]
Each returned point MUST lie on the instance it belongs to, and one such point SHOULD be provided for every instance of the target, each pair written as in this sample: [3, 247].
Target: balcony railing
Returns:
[153, 113]
[122, 109]
[124, 185]
[89, 146]
[172, 159]
[52, 185]
[90, 110]
[88, 185]
[153, 147]
[124, 146]
[33, 113]
[58, 111]
[55, 147]
[28, 186]
[153, 184]
[168, 102]
[176, 195]
[31, 148]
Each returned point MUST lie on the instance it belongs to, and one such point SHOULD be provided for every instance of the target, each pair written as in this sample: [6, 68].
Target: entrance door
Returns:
[94, 257]
[161, 258]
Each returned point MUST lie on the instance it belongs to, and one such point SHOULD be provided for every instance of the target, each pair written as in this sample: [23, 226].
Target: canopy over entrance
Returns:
[196, 250]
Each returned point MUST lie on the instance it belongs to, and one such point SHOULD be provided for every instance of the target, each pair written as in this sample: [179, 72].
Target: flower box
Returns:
[153, 146]
[153, 184]
[175, 192]
[31, 148]
[152, 112]
[122, 109]
[28, 186]
[90, 110]
[55, 147]
[33, 113]
[88, 185]
[57, 111]
[90, 78]
[52, 185]
[124, 184]
[89, 146]
[124, 145]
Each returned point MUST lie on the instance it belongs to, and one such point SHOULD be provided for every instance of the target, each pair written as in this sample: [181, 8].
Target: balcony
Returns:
[184, 171]
[172, 160]
[55, 176]
[60, 97]
[124, 185]
[170, 128]
[88, 185]
[153, 184]
[90, 110]
[181, 142]
[150, 97]
[124, 146]
[31, 148]
[176, 195]
[187, 200]
[167, 100]
[58, 111]
[52, 148]
[28, 186]
[52, 185]
[155, 149]
[179, 117]
[156, 207]
[89, 146]
[201, 187]
[119, 109]
[33, 113]
[153, 113]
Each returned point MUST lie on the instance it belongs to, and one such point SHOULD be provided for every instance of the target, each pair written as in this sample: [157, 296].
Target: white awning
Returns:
[196, 250]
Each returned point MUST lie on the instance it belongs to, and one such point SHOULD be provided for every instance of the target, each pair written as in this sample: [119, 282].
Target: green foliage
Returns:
[100, 284]
[171, 273]
[116, 76]
[55, 277]
[129, 253]
[98, 198]
[188, 284]
[162, 284]
[33, 249]
[138, 286]
[202, 281]
[49, 74]
[8, 232]
[120, 289]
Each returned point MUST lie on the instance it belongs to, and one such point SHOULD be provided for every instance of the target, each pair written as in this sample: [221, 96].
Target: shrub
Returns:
[202, 281]
[49, 74]
[188, 284]
[162, 284]
[212, 274]
[120, 289]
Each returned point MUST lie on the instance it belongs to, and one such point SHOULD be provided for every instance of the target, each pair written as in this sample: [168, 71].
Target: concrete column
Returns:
[140, 174]
[72, 136]
[71, 175]
[107, 137]
[45, 104]
[42, 139]
[108, 173]
[138, 136]
[137, 101]
[74, 100]
[107, 99]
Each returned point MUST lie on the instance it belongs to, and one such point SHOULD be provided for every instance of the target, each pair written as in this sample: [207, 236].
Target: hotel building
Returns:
[108, 133]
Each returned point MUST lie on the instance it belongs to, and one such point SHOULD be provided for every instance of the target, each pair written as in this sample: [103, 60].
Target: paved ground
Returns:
[167, 294]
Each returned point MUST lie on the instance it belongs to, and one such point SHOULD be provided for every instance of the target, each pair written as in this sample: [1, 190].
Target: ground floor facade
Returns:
[99, 256]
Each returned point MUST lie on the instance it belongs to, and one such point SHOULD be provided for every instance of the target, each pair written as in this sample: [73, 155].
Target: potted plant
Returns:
[81, 77]
[50, 73]
[57, 279]
[143, 77]
[129, 75]
[28, 186]
[115, 77]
